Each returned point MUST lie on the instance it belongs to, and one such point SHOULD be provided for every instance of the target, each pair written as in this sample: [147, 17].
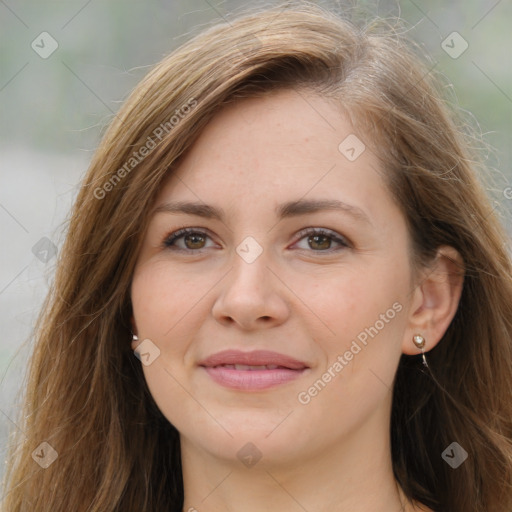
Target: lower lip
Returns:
[252, 379]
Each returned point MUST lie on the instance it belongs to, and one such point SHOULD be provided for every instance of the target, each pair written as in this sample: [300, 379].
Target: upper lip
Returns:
[254, 358]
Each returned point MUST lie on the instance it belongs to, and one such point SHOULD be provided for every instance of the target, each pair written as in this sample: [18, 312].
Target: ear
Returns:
[134, 343]
[435, 300]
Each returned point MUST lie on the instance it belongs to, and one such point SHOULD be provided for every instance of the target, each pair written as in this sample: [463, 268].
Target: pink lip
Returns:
[286, 369]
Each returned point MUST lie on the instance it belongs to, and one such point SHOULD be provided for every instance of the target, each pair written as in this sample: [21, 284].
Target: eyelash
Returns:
[180, 233]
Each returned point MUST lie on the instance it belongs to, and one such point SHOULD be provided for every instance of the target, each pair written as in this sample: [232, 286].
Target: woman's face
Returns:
[269, 277]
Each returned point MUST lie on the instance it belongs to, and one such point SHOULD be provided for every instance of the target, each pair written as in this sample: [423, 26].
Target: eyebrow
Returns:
[285, 210]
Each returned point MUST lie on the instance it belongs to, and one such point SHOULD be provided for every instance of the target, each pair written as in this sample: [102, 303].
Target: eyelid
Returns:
[324, 231]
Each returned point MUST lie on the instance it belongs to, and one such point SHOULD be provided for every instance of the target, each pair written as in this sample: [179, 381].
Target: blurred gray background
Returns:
[66, 66]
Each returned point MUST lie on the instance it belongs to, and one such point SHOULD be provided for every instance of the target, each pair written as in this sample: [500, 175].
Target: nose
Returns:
[251, 296]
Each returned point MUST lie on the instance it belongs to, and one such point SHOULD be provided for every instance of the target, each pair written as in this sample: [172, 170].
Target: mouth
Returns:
[255, 370]
[248, 367]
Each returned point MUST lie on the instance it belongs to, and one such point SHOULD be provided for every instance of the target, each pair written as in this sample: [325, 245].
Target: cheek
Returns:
[362, 323]
[342, 303]
[170, 307]
[160, 299]
[362, 355]
[163, 312]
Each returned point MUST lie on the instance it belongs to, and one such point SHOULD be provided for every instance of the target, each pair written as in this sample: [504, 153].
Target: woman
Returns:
[283, 288]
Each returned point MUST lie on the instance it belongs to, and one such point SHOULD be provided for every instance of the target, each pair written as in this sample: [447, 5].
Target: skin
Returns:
[332, 453]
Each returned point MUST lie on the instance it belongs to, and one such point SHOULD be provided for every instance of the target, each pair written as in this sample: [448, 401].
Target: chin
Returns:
[267, 445]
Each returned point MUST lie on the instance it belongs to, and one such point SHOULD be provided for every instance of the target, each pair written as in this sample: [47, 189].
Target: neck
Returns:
[355, 475]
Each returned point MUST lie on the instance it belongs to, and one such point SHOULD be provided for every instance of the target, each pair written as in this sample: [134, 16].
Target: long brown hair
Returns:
[86, 394]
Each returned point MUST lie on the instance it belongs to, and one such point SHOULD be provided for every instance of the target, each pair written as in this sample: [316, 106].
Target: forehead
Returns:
[260, 152]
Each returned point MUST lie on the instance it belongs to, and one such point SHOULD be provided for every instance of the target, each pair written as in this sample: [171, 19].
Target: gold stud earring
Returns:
[419, 341]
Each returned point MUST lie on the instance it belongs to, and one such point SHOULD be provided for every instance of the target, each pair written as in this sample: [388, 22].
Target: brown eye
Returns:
[193, 240]
[321, 240]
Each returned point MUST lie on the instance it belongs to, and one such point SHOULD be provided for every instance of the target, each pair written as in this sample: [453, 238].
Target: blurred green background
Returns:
[54, 110]
[106, 47]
